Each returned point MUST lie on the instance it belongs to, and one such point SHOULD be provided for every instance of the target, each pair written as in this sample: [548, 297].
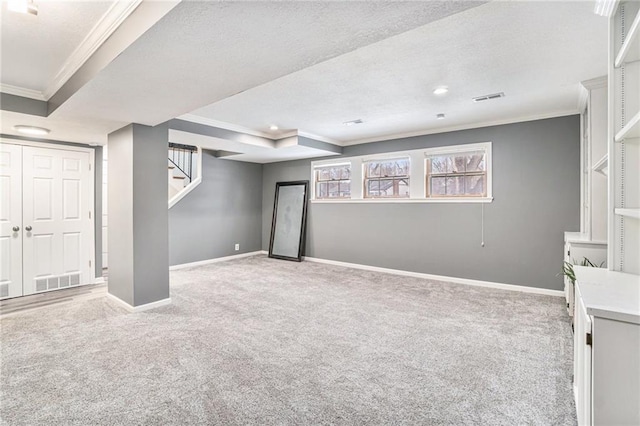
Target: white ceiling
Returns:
[253, 153]
[534, 52]
[310, 66]
[35, 48]
[207, 51]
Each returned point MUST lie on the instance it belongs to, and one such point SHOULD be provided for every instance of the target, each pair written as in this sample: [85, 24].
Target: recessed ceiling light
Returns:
[32, 130]
[353, 122]
[441, 90]
[22, 6]
[440, 116]
[273, 127]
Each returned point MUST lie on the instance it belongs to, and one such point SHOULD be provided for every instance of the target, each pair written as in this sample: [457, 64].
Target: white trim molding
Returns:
[21, 91]
[468, 126]
[466, 281]
[104, 28]
[214, 260]
[418, 175]
[192, 185]
[139, 308]
[443, 200]
[192, 118]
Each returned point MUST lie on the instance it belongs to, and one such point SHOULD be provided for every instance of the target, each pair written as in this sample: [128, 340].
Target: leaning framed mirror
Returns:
[288, 224]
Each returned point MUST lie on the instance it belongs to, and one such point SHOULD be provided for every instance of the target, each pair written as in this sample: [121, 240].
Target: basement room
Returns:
[319, 212]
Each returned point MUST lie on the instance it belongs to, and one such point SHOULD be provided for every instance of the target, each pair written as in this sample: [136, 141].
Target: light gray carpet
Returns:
[262, 341]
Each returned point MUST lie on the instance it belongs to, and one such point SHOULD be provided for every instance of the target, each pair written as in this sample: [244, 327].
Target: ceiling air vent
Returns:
[489, 97]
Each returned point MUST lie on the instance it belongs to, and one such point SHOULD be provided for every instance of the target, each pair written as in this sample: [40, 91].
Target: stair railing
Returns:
[181, 156]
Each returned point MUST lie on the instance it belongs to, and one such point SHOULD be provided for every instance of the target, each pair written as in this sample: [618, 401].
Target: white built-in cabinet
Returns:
[591, 241]
[607, 300]
[624, 137]
[607, 347]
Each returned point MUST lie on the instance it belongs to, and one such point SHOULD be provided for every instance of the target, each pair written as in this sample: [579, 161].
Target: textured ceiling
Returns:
[311, 66]
[206, 51]
[535, 52]
[34, 48]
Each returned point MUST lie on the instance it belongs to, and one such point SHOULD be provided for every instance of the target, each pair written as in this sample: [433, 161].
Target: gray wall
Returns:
[138, 217]
[225, 209]
[98, 191]
[536, 190]
[120, 214]
[150, 215]
[23, 105]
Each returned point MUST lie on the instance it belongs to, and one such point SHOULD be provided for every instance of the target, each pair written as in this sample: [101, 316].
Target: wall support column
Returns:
[138, 216]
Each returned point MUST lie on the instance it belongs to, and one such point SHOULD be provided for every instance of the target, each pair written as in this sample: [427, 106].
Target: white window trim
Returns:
[386, 157]
[483, 146]
[417, 175]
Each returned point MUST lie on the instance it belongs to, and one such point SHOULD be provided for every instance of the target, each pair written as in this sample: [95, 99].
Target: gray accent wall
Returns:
[225, 209]
[536, 190]
[23, 105]
[138, 217]
[120, 214]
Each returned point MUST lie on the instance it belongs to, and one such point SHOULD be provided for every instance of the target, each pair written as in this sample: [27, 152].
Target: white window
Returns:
[387, 178]
[458, 173]
[332, 181]
[450, 174]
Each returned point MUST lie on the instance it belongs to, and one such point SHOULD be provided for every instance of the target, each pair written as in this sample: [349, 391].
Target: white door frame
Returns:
[92, 189]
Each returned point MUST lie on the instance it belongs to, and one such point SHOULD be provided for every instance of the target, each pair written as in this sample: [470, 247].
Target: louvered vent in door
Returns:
[54, 282]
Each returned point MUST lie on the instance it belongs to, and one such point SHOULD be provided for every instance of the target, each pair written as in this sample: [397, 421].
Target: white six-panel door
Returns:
[55, 218]
[46, 238]
[10, 221]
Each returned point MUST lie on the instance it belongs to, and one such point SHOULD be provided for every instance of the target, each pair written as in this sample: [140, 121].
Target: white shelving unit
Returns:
[607, 300]
[633, 213]
[630, 49]
[624, 138]
[602, 165]
[630, 130]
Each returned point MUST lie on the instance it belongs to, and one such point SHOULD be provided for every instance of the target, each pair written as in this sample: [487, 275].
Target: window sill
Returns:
[406, 200]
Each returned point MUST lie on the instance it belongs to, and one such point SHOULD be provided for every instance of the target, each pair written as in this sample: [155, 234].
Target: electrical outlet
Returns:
[237, 247]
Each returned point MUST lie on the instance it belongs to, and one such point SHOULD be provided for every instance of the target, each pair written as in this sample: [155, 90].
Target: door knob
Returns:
[16, 228]
[28, 228]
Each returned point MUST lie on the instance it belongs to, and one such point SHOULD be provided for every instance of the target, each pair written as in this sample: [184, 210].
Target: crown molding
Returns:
[241, 129]
[21, 91]
[226, 126]
[104, 28]
[461, 127]
[583, 97]
[320, 138]
[595, 83]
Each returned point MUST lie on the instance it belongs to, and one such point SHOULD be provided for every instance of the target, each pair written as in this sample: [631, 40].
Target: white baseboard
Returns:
[477, 283]
[215, 260]
[139, 308]
[99, 280]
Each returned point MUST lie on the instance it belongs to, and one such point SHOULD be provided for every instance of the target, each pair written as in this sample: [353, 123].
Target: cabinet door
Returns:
[616, 372]
[582, 361]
